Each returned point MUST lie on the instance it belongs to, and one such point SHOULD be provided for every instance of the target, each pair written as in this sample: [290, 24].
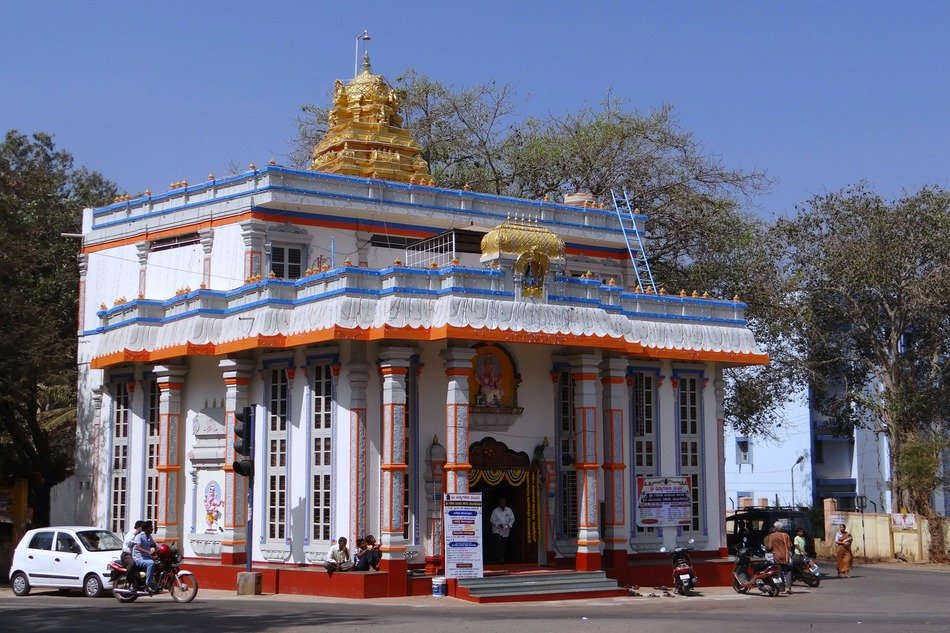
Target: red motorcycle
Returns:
[128, 583]
[684, 578]
[766, 576]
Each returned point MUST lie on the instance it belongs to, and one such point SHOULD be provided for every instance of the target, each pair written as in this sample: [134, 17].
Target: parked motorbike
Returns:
[128, 583]
[766, 576]
[684, 578]
[805, 569]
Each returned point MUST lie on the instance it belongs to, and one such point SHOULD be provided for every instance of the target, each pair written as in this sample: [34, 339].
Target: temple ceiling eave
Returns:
[352, 319]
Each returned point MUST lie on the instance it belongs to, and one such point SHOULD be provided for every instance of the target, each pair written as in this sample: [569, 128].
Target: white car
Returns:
[65, 558]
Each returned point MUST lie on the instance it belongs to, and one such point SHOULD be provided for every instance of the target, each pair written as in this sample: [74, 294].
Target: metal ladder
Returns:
[638, 257]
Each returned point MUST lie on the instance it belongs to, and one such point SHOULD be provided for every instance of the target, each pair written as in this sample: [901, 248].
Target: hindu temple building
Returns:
[396, 340]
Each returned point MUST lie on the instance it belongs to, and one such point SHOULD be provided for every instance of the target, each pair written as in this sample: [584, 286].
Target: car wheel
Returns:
[19, 584]
[92, 586]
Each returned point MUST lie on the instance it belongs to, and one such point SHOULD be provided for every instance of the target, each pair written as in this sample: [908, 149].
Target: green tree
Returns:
[42, 195]
[872, 323]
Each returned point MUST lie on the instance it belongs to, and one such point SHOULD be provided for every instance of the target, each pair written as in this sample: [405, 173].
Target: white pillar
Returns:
[585, 371]
[458, 366]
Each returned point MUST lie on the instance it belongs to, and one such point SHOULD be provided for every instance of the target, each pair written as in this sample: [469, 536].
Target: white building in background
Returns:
[769, 468]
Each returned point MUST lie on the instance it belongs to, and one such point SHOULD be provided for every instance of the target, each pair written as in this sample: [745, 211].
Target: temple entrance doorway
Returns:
[497, 471]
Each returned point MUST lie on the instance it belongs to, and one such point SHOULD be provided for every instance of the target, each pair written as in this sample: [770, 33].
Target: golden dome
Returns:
[516, 237]
[365, 136]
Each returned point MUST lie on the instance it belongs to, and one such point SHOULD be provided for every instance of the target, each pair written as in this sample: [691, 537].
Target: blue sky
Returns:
[819, 94]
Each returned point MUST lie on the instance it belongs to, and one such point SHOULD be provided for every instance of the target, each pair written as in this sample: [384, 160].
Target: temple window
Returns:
[644, 432]
[276, 447]
[121, 411]
[321, 452]
[690, 432]
[567, 476]
[286, 261]
[152, 431]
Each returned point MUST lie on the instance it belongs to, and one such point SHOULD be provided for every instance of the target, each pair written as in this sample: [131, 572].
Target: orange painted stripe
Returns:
[170, 386]
[457, 467]
[336, 333]
[237, 381]
[457, 371]
[178, 230]
[393, 467]
[167, 468]
[584, 376]
[394, 371]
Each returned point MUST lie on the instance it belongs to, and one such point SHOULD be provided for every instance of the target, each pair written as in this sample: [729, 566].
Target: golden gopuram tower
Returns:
[365, 136]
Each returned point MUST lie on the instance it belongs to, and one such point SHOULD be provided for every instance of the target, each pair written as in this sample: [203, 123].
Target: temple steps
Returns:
[526, 587]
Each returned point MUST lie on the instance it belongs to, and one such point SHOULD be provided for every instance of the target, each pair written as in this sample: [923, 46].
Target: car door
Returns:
[39, 558]
[66, 568]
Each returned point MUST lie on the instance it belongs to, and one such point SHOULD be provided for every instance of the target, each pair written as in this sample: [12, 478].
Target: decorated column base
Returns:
[588, 561]
[433, 565]
[234, 550]
[396, 568]
[615, 559]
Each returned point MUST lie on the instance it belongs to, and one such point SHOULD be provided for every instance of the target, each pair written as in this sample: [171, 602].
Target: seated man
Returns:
[142, 553]
[361, 557]
[338, 558]
[374, 554]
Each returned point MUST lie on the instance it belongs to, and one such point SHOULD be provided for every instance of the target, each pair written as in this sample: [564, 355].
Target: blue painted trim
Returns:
[383, 184]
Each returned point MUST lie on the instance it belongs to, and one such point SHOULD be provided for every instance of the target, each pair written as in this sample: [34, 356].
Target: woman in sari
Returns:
[843, 544]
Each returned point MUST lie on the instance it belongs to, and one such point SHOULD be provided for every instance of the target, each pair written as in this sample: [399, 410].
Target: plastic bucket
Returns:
[438, 587]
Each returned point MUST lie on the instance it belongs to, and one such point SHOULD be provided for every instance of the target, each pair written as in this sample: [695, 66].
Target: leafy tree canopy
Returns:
[42, 195]
[871, 321]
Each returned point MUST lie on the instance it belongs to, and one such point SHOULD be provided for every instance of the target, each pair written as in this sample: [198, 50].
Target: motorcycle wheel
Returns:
[738, 588]
[771, 590]
[183, 588]
[812, 581]
[123, 584]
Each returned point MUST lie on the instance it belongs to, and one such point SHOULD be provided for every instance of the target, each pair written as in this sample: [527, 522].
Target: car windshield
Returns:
[99, 540]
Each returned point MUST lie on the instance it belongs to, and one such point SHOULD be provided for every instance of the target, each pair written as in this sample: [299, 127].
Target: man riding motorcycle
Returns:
[142, 553]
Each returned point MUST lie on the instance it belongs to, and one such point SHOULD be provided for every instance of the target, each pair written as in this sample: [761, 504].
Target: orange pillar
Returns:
[585, 370]
[616, 402]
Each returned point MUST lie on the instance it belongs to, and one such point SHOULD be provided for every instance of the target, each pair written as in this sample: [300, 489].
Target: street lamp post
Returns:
[356, 58]
[800, 459]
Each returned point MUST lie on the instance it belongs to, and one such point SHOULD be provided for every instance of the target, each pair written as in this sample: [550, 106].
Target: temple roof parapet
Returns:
[277, 187]
[352, 302]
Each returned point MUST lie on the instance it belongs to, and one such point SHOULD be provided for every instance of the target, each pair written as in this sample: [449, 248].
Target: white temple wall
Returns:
[111, 273]
[168, 271]
[227, 258]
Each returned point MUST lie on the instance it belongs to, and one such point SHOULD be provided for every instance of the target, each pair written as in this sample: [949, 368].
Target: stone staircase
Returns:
[539, 585]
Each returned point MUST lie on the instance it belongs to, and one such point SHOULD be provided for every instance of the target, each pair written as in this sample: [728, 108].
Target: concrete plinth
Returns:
[249, 583]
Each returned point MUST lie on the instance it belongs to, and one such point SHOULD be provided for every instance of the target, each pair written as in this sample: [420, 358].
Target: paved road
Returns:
[885, 599]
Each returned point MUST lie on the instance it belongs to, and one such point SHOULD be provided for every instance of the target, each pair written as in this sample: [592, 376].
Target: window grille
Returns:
[691, 443]
[321, 454]
[286, 261]
[151, 453]
[120, 456]
[276, 465]
[567, 477]
[439, 250]
[644, 432]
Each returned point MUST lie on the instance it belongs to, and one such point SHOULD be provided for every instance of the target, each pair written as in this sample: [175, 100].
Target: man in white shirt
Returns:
[128, 542]
[502, 518]
[338, 558]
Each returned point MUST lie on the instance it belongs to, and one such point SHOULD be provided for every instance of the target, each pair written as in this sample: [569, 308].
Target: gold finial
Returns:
[466, 187]
[547, 198]
[735, 298]
[683, 292]
[434, 265]
[706, 295]
[367, 68]
[662, 290]
[397, 262]
[455, 261]
[347, 262]
[695, 295]
[588, 275]
[211, 176]
[148, 192]
[611, 282]
[272, 162]
[638, 290]
[252, 167]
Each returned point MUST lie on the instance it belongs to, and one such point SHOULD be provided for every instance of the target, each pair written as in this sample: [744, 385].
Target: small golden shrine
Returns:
[533, 248]
[365, 136]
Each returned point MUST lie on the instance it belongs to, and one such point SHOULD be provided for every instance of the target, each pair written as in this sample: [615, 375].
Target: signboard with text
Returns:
[664, 501]
[462, 528]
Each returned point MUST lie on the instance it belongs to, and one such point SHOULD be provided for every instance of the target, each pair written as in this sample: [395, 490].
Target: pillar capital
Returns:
[395, 356]
[170, 375]
[457, 357]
